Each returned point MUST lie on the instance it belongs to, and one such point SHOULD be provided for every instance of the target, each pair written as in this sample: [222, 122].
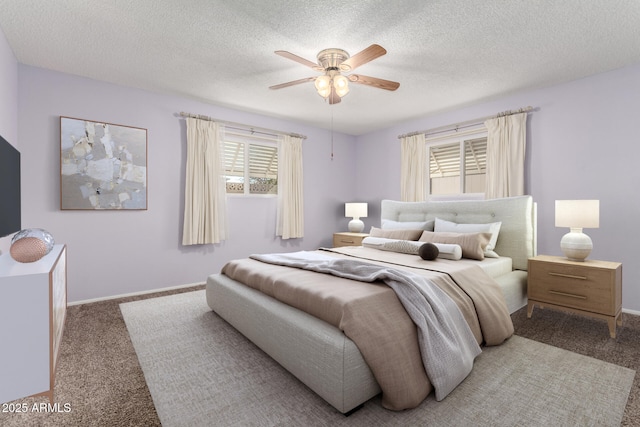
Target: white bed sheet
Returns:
[495, 267]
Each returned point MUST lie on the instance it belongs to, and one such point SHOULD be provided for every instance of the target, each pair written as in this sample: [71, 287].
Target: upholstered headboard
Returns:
[517, 238]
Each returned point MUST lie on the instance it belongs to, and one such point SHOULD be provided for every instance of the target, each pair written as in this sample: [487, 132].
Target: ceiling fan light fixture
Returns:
[341, 85]
[332, 86]
[323, 85]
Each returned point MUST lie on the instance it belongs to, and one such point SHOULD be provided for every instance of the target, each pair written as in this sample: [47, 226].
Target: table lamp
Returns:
[577, 214]
[355, 211]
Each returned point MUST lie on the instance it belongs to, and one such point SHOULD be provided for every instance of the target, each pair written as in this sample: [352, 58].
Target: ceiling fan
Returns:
[332, 85]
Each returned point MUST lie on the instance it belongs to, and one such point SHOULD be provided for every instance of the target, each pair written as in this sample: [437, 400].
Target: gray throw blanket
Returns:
[446, 342]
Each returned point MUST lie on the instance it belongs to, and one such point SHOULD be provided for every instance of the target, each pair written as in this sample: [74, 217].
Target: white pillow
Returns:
[493, 228]
[388, 224]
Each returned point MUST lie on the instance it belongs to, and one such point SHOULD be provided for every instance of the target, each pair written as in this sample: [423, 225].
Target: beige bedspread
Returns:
[371, 315]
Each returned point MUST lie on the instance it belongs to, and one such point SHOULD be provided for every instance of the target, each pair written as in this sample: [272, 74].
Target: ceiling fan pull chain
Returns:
[331, 108]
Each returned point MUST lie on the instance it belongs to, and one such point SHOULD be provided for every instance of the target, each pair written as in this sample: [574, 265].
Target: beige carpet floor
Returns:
[100, 377]
[202, 372]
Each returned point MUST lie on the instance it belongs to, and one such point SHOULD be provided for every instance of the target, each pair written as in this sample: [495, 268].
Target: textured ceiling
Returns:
[445, 54]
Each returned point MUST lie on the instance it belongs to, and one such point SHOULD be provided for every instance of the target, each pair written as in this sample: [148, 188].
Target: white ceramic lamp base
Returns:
[576, 245]
[356, 225]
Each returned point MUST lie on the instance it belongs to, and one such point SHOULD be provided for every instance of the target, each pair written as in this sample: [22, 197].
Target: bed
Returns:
[316, 349]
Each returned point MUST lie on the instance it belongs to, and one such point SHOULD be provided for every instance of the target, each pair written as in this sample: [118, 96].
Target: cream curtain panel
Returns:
[413, 168]
[205, 207]
[290, 216]
[506, 143]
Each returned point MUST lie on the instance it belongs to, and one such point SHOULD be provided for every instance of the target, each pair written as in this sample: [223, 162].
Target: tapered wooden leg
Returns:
[529, 309]
[612, 327]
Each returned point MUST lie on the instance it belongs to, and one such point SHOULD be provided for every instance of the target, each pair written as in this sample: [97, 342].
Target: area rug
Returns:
[202, 372]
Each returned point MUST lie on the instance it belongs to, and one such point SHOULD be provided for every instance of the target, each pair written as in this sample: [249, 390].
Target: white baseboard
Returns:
[133, 294]
[634, 312]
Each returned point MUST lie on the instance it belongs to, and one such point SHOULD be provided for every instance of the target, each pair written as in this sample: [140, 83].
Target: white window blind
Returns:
[252, 161]
[457, 166]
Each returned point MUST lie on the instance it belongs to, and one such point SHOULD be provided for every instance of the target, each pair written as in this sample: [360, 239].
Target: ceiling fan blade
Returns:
[369, 54]
[299, 59]
[292, 83]
[373, 81]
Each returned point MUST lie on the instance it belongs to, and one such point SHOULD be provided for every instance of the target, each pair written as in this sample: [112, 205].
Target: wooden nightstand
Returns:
[592, 288]
[348, 239]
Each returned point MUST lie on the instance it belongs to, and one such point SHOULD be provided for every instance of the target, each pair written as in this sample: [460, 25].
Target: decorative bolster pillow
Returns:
[446, 251]
[392, 245]
[449, 251]
[472, 244]
[375, 242]
[403, 246]
[401, 234]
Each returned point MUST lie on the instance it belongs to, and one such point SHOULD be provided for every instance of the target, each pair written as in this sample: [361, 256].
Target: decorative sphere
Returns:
[31, 244]
[428, 251]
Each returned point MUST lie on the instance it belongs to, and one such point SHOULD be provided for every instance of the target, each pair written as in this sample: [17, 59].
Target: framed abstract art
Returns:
[102, 165]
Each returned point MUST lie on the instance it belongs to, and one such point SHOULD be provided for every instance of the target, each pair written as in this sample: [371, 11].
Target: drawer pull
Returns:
[564, 294]
[347, 241]
[568, 276]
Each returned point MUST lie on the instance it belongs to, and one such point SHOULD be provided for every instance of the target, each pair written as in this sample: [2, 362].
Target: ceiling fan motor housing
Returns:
[330, 59]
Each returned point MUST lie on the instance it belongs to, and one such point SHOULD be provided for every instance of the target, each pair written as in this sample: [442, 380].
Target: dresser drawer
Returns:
[589, 289]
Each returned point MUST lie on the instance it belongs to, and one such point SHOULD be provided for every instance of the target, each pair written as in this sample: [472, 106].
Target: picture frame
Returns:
[103, 166]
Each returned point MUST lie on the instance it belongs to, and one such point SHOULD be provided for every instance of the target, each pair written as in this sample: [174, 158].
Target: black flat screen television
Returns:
[10, 213]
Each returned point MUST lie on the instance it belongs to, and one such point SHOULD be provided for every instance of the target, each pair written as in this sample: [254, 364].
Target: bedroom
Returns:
[582, 143]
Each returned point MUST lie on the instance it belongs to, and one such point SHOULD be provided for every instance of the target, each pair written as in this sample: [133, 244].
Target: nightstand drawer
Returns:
[589, 289]
[348, 239]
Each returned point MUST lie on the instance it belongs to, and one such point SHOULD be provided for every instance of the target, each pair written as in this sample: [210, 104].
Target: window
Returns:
[457, 165]
[253, 160]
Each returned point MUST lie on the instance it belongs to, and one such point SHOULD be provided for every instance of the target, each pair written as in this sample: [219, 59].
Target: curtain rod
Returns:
[468, 123]
[243, 127]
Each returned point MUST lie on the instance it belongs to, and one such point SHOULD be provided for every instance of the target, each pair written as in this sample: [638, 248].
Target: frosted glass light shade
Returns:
[341, 85]
[577, 214]
[323, 86]
[355, 211]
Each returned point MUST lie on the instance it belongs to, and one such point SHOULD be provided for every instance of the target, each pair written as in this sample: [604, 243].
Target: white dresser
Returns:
[33, 307]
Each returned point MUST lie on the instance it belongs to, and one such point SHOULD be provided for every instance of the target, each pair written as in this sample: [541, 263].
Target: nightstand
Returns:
[592, 288]
[348, 239]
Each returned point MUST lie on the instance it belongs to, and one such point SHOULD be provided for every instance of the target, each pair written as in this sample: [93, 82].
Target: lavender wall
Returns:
[8, 105]
[583, 143]
[118, 252]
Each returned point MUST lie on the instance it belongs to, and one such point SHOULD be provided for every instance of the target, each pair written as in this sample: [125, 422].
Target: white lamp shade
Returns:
[578, 213]
[355, 210]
